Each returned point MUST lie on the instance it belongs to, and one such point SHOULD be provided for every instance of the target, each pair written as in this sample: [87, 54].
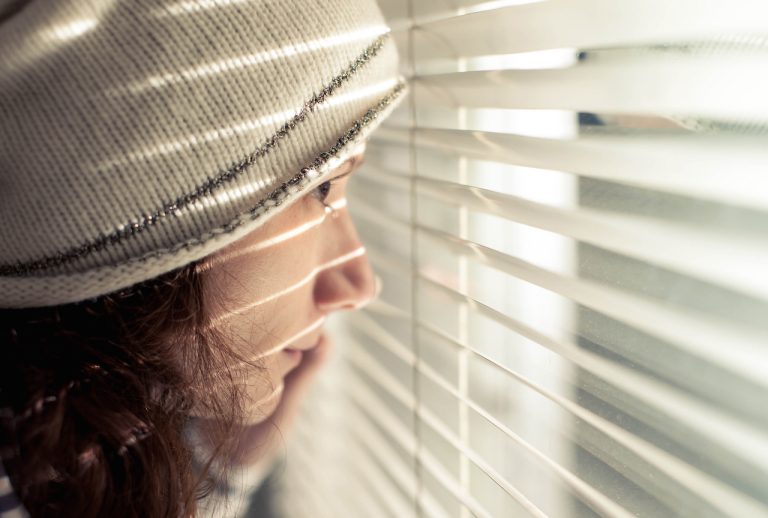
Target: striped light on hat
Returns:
[138, 136]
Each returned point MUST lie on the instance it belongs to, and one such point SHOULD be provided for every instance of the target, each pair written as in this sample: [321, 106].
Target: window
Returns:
[570, 219]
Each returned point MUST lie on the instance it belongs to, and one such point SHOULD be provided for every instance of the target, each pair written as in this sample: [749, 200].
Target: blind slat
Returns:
[719, 168]
[368, 444]
[585, 24]
[381, 336]
[748, 442]
[379, 449]
[381, 415]
[676, 405]
[383, 452]
[383, 378]
[439, 427]
[586, 306]
[729, 260]
[723, 497]
[706, 488]
[307, 482]
[697, 417]
[694, 478]
[698, 334]
[592, 497]
[653, 85]
[687, 249]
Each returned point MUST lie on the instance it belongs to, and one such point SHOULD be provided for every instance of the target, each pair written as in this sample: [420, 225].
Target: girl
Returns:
[174, 234]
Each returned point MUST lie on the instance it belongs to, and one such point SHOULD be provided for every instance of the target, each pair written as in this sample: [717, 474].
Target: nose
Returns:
[348, 285]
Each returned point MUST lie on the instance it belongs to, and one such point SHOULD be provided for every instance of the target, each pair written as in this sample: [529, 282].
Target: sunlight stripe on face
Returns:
[282, 345]
[272, 241]
[294, 232]
[262, 245]
[359, 252]
[378, 285]
[285, 343]
[271, 396]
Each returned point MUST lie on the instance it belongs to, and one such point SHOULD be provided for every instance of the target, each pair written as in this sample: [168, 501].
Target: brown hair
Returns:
[95, 398]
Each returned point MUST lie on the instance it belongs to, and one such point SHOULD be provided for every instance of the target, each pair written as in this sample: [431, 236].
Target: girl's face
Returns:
[274, 288]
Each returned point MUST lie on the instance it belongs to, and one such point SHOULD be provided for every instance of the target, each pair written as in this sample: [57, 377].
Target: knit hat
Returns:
[137, 136]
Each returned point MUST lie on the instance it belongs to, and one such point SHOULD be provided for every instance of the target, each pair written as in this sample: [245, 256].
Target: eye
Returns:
[322, 191]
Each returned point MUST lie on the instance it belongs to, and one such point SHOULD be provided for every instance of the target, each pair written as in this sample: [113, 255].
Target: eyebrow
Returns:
[354, 163]
[339, 177]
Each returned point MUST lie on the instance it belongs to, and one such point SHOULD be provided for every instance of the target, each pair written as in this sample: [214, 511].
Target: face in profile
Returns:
[273, 289]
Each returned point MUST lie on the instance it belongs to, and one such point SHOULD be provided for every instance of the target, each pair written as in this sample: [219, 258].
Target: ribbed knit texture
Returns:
[138, 136]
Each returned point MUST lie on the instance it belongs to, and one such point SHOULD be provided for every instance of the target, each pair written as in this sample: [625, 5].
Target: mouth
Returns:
[297, 353]
[307, 346]
[300, 349]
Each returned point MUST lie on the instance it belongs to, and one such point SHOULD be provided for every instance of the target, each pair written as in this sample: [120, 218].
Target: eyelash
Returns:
[322, 191]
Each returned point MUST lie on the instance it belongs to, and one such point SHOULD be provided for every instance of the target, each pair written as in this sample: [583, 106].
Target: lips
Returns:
[296, 354]
[302, 348]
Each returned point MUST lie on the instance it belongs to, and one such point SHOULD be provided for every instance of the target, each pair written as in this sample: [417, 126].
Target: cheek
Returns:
[262, 388]
[260, 401]
[269, 260]
[258, 280]
[262, 300]
[258, 331]
[265, 297]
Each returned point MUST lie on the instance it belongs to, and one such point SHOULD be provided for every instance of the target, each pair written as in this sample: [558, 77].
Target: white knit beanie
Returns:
[137, 136]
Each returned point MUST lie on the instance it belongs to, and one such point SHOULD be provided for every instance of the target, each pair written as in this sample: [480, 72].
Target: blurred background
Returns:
[570, 218]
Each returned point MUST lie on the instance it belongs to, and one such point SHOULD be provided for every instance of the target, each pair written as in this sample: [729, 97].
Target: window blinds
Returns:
[570, 220]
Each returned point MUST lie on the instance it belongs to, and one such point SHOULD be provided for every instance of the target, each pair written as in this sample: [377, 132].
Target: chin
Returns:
[263, 410]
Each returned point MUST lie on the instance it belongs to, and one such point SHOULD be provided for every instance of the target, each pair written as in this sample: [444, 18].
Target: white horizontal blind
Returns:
[570, 218]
